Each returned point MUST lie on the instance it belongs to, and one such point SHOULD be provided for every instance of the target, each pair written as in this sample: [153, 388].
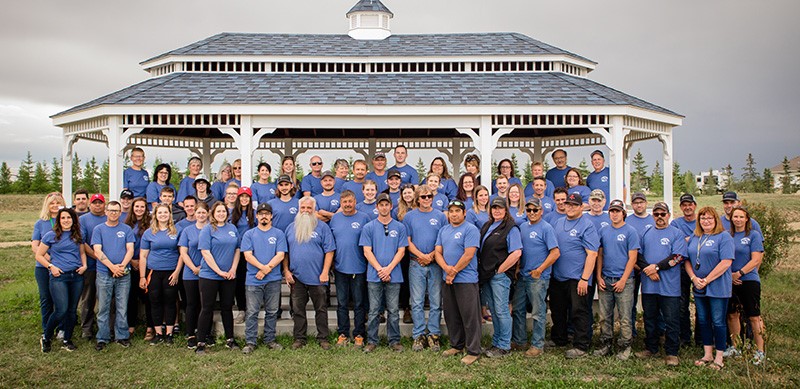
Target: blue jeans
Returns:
[380, 293]
[711, 319]
[608, 300]
[499, 288]
[119, 289]
[42, 276]
[351, 286]
[422, 279]
[533, 291]
[66, 291]
[268, 296]
[655, 308]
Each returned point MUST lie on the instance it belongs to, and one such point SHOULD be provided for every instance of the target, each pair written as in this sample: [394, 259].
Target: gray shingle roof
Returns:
[445, 45]
[369, 5]
[458, 89]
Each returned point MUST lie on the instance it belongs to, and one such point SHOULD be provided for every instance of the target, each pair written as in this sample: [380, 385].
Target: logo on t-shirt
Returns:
[745, 241]
[573, 232]
[393, 234]
[403, 174]
[621, 237]
[533, 235]
[665, 241]
[314, 235]
[335, 203]
[232, 234]
[292, 211]
[457, 235]
[146, 177]
[271, 191]
[375, 211]
[439, 203]
[647, 226]
[548, 206]
[603, 224]
[173, 237]
[121, 234]
[434, 222]
[603, 179]
[272, 240]
[355, 225]
[709, 243]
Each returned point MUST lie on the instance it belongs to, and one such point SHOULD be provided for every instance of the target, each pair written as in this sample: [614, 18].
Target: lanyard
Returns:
[700, 245]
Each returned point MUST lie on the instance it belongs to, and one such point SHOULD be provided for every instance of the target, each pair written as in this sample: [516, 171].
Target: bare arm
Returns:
[510, 261]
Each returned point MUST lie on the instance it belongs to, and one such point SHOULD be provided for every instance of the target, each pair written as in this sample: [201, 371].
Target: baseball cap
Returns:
[638, 196]
[687, 197]
[264, 207]
[533, 200]
[126, 194]
[97, 196]
[661, 205]
[384, 197]
[393, 173]
[499, 202]
[574, 199]
[597, 152]
[244, 190]
[379, 154]
[200, 177]
[617, 204]
[284, 178]
[730, 196]
[597, 194]
[327, 173]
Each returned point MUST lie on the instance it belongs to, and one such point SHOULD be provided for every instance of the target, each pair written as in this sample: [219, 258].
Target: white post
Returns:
[627, 158]
[246, 149]
[114, 136]
[205, 157]
[666, 142]
[66, 167]
[616, 169]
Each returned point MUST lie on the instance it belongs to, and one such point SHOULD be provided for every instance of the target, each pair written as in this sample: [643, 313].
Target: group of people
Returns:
[472, 253]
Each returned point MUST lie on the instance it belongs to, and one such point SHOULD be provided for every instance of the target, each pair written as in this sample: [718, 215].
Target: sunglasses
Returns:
[237, 168]
[386, 230]
[659, 214]
[426, 197]
[316, 163]
[532, 210]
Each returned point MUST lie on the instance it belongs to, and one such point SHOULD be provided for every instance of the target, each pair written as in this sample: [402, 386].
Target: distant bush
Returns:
[777, 234]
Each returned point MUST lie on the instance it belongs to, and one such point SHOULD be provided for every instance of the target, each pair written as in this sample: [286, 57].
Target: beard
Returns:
[304, 225]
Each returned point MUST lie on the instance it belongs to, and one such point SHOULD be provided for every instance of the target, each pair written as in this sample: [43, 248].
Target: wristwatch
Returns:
[741, 273]
[657, 268]
[49, 265]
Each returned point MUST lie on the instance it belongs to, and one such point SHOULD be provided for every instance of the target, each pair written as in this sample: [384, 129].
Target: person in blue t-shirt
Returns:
[328, 200]
[378, 173]
[465, 189]
[284, 207]
[560, 209]
[597, 202]
[572, 277]
[311, 248]
[557, 173]
[350, 270]
[46, 222]
[88, 301]
[711, 252]
[356, 184]
[746, 291]
[456, 247]
[341, 168]
[599, 178]
[686, 224]
[640, 221]
[384, 241]
[221, 181]
[139, 220]
[219, 246]
[186, 187]
[394, 181]
[311, 185]
[538, 188]
[539, 252]
[408, 175]
[440, 200]
[62, 252]
[447, 185]
[537, 170]
[135, 178]
[575, 184]
[516, 204]
[162, 176]
[112, 242]
[619, 248]
[424, 275]
[192, 258]
[242, 216]
[264, 249]
[263, 190]
[731, 200]
[368, 205]
[505, 169]
[478, 213]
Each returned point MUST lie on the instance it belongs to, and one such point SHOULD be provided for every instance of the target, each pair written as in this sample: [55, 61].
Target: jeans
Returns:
[66, 291]
[534, 292]
[655, 308]
[380, 293]
[268, 295]
[319, 298]
[42, 276]
[87, 302]
[351, 286]
[609, 299]
[119, 289]
[422, 279]
[499, 289]
[566, 306]
[711, 320]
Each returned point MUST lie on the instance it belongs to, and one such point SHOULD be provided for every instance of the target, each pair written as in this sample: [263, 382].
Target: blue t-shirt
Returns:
[583, 190]
[518, 218]
[154, 193]
[88, 222]
[380, 181]
[349, 257]
[242, 225]
[395, 196]
[548, 204]
[114, 241]
[137, 243]
[454, 241]
[511, 181]
[328, 203]
[640, 224]
[40, 228]
[217, 189]
[136, 181]
[355, 187]
[556, 176]
[440, 202]
[686, 227]
[745, 246]
[384, 246]
[311, 184]
[447, 187]
[408, 175]
[264, 245]
[617, 243]
[600, 180]
[183, 224]
[370, 209]
[64, 254]
[709, 251]
[222, 243]
[552, 217]
[189, 237]
[478, 219]
[283, 212]
[185, 188]
[726, 224]
[600, 220]
[337, 184]
[574, 238]
[306, 259]
[548, 190]
[537, 242]
[656, 244]
[163, 248]
[423, 227]
[263, 193]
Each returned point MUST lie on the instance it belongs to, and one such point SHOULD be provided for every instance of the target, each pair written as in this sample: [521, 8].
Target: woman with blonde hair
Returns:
[406, 203]
[46, 222]
[516, 204]
[139, 220]
[478, 214]
[224, 175]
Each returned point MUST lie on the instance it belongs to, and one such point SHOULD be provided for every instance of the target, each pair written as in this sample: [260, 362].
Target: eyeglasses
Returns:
[426, 197]
[505, 167]
[230, 194]
[316, 163]
[532, 210]
[113, 210]
[659, 214]
[707, 218]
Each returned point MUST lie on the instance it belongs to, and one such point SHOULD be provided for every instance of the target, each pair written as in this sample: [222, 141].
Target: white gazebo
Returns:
[365, 92]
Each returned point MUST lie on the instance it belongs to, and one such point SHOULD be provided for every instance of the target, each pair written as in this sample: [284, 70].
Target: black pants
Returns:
[685, 315]
[163, 298]
[564, 302]
[136, 297]
[87, 303]
[300, 295]
[208, 297]
[462, 314]
[405, 289]
[192, 290]
[241, 291]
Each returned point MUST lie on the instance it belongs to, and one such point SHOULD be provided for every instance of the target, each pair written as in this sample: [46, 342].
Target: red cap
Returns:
[245, 189]
[97, 196]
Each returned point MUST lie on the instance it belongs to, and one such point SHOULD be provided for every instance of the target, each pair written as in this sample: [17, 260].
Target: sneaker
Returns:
[191, 343]
[176, 329]
[157, 338]
[201, 349]
[602, 351]
[396, 347]
[325, 345]
[248, 348]
[644, 354]
[274, 346]
[533, 352]
[125, 343]
[495, 352]
[45, 345]
[451, 351]
[298, 345]
[625, 354]
[370, 348]
[672, 360]
[406, 316]
[68, 345]
[211, 341]
[60, 335]
[574, 353]
[231, 344]
[433, 343]
[100, 346]
[342, 340]
[731, 352]
[169, 339]
[239, 318]
[359, 342]
[419, 343]
[469, 359]
[758, 358]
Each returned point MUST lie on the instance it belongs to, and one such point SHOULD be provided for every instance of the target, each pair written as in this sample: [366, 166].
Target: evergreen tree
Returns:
[690, 182]
[299, 174]
[678, 183]
[728, 178]
[77, 173]
[546, 165]
[55, 175]
[751, 180]
[91, 176]
[126, 160]
[710, 185]
[514, 165]
[350, 169]
[787, 186]
[583, 167]
[639, 176]
[527, 175]
[24, 175]
[494, 169]
[768, 182]
[6, 185]
[39, 183]
[422, 171]
[103, 181]
[657, 180]
[177, 176]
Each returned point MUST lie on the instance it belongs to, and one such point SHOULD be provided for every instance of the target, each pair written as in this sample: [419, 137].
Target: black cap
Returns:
[284, 178]
[574, 199]
[533, 200]
[393, 173]
[264, 207]
[126, 194]
[327, 173]
[383, 197]
[617, 204]
[638, 196]
[456, 203]
[687, 198]
[499, 202]
[730, 196]
[597, 152]
[661, 205]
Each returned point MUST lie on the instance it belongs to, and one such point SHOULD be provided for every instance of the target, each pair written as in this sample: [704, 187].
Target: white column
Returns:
[666, 143]
[114, 136]
[627, 158]
[245, 145]
[205, 157]
[616, 168]
[66, 167]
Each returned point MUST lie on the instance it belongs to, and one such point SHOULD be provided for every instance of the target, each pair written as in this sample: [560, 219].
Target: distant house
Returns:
[715, 175]
[794, 172]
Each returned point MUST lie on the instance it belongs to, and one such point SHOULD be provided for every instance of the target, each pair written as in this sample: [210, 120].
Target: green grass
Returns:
[22, 364]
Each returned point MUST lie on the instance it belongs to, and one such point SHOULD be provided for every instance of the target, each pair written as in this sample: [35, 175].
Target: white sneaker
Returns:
[60, 335]
[758, 358]
[731, 352]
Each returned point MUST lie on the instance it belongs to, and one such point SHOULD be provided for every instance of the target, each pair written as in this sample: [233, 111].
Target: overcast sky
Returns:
[729, 66]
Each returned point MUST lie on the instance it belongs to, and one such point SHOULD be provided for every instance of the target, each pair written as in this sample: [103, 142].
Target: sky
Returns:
[728, 66]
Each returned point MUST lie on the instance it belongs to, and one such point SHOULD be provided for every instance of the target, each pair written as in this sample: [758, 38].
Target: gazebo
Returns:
[368, 91]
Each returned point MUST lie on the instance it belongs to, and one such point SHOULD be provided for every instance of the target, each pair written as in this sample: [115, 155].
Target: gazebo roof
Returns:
[369, 6]
[329, 45]
[455, 89]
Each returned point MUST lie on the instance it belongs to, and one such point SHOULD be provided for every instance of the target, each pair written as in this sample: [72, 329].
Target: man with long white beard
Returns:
[311, 248]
